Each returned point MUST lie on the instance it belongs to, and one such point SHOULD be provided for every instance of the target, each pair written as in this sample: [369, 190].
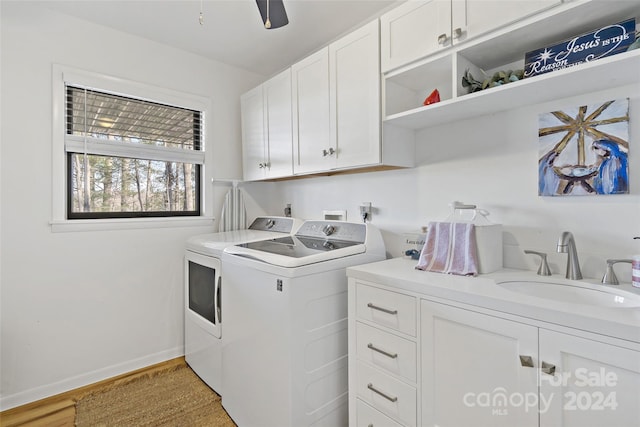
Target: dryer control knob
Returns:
[270, 223]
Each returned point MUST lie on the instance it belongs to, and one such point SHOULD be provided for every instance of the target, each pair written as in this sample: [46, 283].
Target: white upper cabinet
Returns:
[277, 106]
[328, 119]
[311, 123]
[266, 129]
[354, 80]
[253, 135]
[471, 18]
[411, 31]
[419, 28]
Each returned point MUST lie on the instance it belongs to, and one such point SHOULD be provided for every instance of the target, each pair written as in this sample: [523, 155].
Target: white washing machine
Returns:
[285, 349]
[203, 292]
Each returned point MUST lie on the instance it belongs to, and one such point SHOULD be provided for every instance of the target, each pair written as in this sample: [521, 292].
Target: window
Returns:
[128, 157]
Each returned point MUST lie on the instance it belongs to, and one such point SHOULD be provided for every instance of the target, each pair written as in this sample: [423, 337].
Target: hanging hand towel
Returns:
[233, 215]
[450, 247]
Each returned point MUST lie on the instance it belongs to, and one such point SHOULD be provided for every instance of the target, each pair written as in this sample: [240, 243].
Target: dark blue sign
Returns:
[605, 41]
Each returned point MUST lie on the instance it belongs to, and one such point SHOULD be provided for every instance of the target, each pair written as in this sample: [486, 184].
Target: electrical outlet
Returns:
[365, 211]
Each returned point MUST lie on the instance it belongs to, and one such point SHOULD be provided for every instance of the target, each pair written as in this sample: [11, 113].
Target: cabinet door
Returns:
[411, 31]
[472, 374]
[279, 142]
[310, 92]
[253, 134]
[354, 78]
[475, 17]
[594, 384]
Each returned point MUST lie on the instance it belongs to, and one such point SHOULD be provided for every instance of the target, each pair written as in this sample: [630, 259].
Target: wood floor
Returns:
[60, 410]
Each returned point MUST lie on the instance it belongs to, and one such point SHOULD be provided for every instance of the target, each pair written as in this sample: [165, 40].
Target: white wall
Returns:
[490, 161]
[78, 307]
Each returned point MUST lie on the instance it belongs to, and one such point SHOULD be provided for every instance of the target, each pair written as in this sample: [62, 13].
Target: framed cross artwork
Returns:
[584, 150]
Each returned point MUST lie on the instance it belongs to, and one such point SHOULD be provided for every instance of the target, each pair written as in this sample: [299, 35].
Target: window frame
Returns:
[61, 220]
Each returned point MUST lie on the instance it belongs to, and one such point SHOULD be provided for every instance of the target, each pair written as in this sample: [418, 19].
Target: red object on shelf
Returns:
[432, 98]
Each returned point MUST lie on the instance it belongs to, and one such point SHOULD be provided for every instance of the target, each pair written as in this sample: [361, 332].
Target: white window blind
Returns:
[112, 125]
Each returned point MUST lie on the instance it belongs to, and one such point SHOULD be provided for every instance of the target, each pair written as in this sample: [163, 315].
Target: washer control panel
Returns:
[334, 230]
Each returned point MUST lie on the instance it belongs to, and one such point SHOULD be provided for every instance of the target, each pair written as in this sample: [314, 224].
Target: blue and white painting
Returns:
[584, 150]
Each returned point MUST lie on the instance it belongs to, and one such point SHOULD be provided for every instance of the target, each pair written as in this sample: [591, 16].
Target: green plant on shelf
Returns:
[499, 78]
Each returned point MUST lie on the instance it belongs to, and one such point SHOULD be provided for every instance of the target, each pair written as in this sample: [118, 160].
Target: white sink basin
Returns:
[575, 294]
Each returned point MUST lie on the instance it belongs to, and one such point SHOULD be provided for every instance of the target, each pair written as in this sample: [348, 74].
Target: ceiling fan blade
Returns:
[277, 15]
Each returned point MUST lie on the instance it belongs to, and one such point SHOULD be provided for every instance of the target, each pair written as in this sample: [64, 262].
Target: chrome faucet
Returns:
[567, 244]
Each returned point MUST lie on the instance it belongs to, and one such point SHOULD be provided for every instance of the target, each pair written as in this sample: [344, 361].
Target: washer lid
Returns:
[296, 251]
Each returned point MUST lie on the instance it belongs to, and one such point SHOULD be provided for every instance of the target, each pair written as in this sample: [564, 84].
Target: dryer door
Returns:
[203, 287]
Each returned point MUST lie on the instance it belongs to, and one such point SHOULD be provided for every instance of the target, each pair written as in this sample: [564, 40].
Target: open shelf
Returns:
[614, 71]
[504, 49]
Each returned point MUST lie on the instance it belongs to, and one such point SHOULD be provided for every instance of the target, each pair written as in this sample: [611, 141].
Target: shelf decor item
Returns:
[498, 79]
[432, 98]
[636, 44]
[584, 150]
[603, 42]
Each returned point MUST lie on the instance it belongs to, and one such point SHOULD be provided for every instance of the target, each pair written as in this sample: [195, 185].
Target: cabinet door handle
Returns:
[382, 309]
[442, 39]
[548, 368]
[374, 348]
[457, 33]
[526, 361]
[381, 393]
[329, 152]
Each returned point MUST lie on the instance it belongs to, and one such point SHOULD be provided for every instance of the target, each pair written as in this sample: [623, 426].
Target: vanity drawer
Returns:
[386, 394]
[386, 351]
[369, 417]
[386, 308]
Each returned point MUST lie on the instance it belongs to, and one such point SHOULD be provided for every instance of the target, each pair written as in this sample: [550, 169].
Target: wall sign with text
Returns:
[605, 41]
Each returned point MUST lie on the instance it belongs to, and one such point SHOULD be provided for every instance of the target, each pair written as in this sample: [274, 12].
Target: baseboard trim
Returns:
[72, 383]
[59, 410]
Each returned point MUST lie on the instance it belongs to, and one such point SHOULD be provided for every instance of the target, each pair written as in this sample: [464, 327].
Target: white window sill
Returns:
[67, 226]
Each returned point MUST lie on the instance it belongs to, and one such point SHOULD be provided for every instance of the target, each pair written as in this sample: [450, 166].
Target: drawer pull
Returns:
[385, 395]
[382, 309]
[374, 348]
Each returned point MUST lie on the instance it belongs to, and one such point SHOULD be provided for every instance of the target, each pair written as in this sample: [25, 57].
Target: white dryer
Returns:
[285, 349]
[203, 278]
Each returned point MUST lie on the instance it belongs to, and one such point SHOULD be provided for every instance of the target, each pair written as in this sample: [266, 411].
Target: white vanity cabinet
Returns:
[383, 376]
[419, 28]
[266, 129]
[417, 358]
[594, 383]
[468, 359]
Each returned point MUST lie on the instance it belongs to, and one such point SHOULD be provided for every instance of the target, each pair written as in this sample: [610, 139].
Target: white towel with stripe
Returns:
[234, 214]
[450, 248]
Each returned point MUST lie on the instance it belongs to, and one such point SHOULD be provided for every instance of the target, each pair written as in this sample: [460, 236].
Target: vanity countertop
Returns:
[483, 291]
